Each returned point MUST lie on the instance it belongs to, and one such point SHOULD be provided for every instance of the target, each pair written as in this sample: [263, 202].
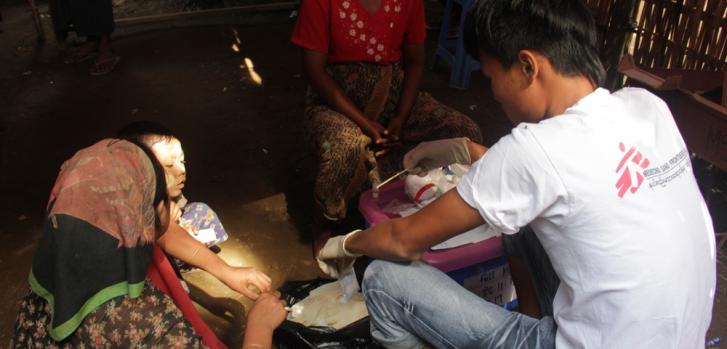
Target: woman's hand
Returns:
[268, 311]
[240, 278]
[380, 138]
[394, 129]
[374, 130]
[314, 66]
[266, 314]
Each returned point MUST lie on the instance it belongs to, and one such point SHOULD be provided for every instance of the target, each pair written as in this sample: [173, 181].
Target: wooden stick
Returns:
[395, 176]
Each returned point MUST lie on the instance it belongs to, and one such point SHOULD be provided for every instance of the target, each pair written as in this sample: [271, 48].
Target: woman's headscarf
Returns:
[96, 242]
[111, 186]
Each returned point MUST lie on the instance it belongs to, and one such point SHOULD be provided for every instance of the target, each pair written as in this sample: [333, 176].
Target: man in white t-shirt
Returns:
[604, 180]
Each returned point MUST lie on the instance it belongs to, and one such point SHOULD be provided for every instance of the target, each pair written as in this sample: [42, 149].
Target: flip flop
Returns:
[104, 67]
[78, 57]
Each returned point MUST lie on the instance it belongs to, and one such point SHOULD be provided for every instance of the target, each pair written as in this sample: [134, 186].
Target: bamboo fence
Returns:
[678, 34]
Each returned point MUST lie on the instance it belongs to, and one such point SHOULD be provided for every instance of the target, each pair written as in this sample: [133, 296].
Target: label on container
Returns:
[494, 285]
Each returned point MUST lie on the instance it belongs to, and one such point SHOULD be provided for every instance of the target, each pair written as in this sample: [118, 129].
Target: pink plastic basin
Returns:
[445, 260]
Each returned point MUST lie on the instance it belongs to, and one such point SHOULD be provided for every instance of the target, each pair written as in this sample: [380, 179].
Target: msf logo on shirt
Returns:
[630, 169]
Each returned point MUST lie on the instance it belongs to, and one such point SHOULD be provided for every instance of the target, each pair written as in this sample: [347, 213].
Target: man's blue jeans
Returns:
[411, 304]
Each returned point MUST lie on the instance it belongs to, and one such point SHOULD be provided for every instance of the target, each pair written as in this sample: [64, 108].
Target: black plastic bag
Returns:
[292, 335]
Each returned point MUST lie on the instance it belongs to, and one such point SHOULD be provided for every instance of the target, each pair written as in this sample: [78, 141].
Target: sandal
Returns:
[104, 67]
[78, 57]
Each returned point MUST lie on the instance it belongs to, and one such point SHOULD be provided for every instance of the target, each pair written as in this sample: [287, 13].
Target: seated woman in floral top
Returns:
[364, 60]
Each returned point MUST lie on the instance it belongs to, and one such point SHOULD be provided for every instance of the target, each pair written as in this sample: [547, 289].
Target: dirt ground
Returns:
[246, 156]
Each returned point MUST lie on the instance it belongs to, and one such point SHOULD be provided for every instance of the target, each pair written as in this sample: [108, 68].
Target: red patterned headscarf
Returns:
[110, 185]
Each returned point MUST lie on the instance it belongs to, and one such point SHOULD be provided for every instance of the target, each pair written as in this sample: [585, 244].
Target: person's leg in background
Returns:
[104, 47]
[94, 19]
[412, 305]
[61, 15]
[84, 52]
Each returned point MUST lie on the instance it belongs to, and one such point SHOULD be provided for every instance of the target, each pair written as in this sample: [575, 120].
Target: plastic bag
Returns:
[292, 335]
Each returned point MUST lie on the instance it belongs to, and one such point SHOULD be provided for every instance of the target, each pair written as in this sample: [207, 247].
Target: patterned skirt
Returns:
[150, 321]
[345, 161]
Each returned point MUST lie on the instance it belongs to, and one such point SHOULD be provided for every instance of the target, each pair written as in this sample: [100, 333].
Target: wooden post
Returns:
[724, 91]
[621, 25]
[37, 20]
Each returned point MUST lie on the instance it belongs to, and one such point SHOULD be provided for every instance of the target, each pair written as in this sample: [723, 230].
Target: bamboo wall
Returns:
[680, 34]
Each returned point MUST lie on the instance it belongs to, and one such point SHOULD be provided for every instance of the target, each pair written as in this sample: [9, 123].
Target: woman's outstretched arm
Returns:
[178, 243]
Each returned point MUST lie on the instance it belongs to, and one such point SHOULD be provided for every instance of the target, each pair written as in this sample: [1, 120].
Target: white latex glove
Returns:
[333, 253]
[436, 154]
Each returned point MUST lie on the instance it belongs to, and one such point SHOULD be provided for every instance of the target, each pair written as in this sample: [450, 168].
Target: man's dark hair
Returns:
[563, 31]
[146, 132]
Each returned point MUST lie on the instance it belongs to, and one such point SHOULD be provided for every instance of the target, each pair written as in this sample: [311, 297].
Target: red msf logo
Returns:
[630, 168]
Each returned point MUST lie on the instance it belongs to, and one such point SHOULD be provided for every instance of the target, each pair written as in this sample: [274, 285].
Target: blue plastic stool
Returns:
[452, 50]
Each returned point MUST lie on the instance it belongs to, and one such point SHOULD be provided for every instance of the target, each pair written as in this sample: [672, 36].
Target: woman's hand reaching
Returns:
[266, 314]
[268, 311]
[240, 278]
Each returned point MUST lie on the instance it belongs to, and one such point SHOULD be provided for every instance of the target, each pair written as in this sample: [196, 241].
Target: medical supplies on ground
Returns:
[318, 319]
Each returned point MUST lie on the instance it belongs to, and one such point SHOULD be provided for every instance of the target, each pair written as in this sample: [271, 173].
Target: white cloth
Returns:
[636, 262]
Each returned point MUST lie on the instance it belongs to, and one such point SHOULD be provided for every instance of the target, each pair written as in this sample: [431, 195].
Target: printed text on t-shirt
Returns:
[669, 170]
